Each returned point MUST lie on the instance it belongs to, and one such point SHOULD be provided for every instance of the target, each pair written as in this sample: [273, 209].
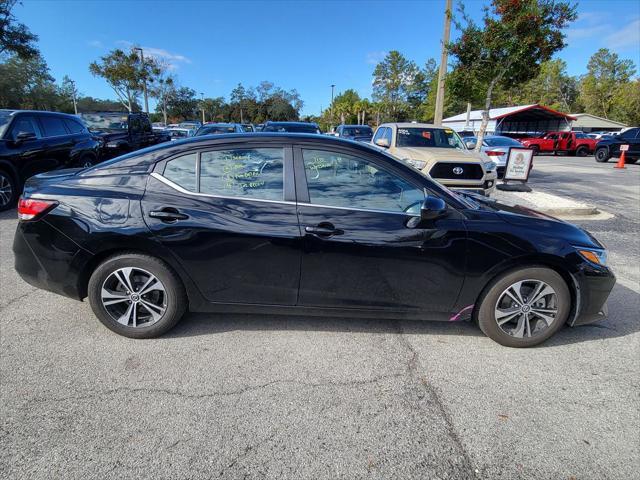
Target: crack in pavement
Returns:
[412, 370]
[247, 450]
[240, 391]
[18, 298]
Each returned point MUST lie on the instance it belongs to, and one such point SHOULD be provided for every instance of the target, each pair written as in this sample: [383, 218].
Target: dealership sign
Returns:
[518, 164]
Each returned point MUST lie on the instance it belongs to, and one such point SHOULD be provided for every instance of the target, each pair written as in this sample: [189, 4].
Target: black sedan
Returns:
[309, 224]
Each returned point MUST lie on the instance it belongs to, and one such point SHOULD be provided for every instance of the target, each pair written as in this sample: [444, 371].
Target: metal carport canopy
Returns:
[533, 118]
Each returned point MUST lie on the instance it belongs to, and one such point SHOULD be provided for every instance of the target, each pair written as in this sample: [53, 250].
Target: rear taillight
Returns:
[493, 153]
[29, 208]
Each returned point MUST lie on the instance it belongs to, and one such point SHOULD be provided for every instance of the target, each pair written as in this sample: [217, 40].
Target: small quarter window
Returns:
[73, 126]
[182, 171]
[245, 173]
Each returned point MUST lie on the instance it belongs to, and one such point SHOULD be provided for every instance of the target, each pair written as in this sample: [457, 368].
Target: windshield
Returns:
[291, 128]
[105, 121]
[5, 118]
[582, 135]
[216, 130]
[428, 137]
[501, 142]
[357, 131]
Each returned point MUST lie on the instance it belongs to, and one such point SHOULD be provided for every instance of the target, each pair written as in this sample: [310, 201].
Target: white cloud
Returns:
[171, 59]
[374, 58]
[628, 36]
[587, 32]
[95, 44]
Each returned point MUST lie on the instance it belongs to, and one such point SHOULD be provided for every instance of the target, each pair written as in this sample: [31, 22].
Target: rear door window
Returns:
[53, 126]
[74, 127]
[244, 173]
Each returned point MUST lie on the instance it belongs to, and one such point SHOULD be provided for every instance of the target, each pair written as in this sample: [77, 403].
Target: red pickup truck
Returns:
[573, 143]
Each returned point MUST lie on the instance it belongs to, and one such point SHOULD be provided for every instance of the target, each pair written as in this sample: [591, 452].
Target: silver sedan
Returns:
[496, 147]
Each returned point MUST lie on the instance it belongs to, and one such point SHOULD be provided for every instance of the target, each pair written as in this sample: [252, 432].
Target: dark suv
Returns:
[32, 142]
[610, 147]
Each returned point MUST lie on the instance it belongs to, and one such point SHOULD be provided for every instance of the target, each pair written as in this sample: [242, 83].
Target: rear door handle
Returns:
[168, 214]
[323, 230]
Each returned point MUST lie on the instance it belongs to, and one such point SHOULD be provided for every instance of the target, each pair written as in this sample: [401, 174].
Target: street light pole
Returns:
[73, 96]
[144, 83]
[437, 116]
[202, 104]
[331, 106]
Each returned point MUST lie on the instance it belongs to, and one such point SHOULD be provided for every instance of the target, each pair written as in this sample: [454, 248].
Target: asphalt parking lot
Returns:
[292, 397]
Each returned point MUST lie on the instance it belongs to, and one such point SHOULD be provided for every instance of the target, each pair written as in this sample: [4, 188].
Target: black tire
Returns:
[174, 296]
[9, 191]
[536, 150]
[630, 160]
[602, 155]
[485, 310]
[582, 151]
[87, 160]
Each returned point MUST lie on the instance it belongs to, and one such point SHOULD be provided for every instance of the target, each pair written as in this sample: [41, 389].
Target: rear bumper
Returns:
[46, 258]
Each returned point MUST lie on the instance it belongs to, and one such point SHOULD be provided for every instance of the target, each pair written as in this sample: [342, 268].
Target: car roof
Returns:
[291, 123]
[353, 125]
[218, 124]
[158, 152]
[39, 112]
[414, 125]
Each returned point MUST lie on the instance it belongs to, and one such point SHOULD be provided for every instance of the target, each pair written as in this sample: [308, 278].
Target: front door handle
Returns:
[168, 215]
[324, 229]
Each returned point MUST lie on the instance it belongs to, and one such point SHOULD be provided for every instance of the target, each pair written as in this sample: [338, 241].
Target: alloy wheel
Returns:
[526, 308]
[6, 190]
[134, 297]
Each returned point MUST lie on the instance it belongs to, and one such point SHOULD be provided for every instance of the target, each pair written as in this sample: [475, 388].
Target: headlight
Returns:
[593, 255]
[490, 166]
[419, 164]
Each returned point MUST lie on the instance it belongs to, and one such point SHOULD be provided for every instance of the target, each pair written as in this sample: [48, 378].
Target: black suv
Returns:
[610, 147]
[33, 142]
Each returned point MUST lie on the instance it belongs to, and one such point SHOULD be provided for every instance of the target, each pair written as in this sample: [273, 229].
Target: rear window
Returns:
[53, 127]
[501, 142]
[291, 128]
[357, 131]
[217, 130]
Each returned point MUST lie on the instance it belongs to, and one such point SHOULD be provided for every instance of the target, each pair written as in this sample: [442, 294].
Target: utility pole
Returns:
[144, 83]
[73, 96]
[442, 72]
[331, 106]
[202, 104]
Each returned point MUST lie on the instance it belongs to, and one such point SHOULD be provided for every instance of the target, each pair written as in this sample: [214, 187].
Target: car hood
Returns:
[539, 222]
[437, 154]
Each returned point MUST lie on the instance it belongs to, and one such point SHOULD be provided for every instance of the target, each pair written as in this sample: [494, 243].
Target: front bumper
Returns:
[593, 285]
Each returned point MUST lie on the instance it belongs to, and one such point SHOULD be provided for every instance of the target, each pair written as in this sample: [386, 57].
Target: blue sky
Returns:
[307, 45]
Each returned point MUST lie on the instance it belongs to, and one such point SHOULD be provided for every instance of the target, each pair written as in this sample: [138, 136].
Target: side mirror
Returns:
[432, 208]
[470, 144]
[383, 142]
[24, 136]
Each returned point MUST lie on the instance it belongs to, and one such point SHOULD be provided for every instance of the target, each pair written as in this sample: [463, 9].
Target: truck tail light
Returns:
[30, 209]
[494, 153]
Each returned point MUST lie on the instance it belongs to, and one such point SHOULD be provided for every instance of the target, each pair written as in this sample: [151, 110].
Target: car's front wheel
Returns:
[136, 295]
[524, 307]
[602, 155]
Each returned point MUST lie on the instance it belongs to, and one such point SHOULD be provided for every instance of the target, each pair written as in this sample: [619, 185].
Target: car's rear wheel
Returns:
[630, 160]
[524, 307]
[136, 295]
[602, 155]
[86, 161]
[8, 190]
[582, 152]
